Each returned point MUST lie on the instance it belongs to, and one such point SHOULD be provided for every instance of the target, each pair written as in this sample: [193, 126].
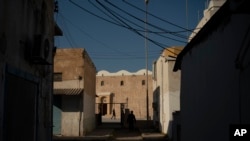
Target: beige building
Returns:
[27, 31]
[166, 89]
[74, 92]
[124, 87]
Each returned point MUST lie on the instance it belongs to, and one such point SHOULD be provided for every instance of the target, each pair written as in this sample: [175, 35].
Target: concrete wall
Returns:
[70, 62]
[89, 93]
[89, 112]
[71, 121]
[20, 21]
[214, 92]
[132, 93]
[166, 85]
[78, 71]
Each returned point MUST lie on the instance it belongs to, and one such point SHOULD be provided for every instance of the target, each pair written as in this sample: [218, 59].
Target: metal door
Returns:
[57, 115]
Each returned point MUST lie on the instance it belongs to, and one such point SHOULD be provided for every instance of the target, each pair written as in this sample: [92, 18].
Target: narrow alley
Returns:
[111, 130]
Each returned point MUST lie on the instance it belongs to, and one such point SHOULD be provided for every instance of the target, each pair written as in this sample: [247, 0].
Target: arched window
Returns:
[122, 83]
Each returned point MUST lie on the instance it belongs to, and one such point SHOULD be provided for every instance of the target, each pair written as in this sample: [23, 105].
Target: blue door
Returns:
[57, 112]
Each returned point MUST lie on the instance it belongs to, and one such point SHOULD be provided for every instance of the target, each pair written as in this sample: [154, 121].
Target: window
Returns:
[154, 70]
[122, 83]
[57, 76]
[143, 82]
[102, 83]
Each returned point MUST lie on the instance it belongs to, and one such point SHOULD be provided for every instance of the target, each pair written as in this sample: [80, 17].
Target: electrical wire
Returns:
[161, 19]
[129, 27]
[154, 42]
[150, 24]
[68, 35]
[109, 55]
[156, 33]
[91, 37]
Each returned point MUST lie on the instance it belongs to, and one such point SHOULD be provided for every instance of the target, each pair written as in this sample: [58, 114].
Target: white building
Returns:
[215, 75]
[212, 8]
[166, 86]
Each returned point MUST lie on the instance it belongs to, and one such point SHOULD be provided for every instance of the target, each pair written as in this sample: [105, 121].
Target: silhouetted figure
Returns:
[113, 114]
[122, 118]
[131, 120]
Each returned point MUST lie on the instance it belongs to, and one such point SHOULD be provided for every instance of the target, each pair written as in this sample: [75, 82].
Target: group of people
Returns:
[131, 120]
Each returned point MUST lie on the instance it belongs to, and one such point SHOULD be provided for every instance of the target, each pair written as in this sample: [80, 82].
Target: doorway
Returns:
[21, 96]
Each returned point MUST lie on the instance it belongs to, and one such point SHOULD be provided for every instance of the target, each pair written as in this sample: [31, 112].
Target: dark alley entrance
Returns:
[116, 111]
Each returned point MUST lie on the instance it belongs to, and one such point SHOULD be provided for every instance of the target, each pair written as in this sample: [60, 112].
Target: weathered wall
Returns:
[78, 71]
[70, 62]
[20, 21]
[89, 93]
[132, 92]
[71, 115]
[166, 85]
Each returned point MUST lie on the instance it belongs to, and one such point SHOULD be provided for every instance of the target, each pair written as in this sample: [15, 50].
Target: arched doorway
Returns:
[104, 106]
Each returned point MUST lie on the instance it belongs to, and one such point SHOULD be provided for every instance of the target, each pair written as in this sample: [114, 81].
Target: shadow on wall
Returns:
[174, 128]
[156, 108]
[68, 103]
[111, 107]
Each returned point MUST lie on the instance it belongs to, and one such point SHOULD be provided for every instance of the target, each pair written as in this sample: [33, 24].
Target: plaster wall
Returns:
[214, 92]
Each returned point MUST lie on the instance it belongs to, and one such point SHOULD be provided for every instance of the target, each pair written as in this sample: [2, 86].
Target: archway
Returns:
[104, 106]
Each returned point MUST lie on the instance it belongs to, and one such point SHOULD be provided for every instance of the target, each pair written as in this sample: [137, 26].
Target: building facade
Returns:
[215, 75]
[166, 90]
[27, 31]
[126, 88]
[74, 92]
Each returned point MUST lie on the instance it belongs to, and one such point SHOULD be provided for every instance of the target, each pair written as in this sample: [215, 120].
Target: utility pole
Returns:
[146, 55]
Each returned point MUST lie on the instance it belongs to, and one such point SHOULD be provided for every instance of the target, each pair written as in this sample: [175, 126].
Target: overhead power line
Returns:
[171, 23]
[154, 42]
[106, 55]
[91, 37]
[121, 23]
[157, 27]
[132, 29]
[148, 23]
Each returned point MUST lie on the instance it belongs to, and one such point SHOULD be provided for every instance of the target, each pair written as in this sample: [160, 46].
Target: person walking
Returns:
[113, 114]
[131, 120]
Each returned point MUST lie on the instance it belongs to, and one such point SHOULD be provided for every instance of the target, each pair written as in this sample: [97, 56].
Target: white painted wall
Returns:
[211, 9]
[168, 97]
[68, 84]
[213, 90]
[70, 116]
[89, 112]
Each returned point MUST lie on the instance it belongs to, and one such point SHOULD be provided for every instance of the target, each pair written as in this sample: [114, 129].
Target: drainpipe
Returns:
[80, 114]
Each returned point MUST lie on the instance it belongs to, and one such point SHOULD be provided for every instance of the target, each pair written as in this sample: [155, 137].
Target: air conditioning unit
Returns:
[40, 50]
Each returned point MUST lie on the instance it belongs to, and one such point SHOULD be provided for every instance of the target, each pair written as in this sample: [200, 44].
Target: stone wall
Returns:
[125, 87]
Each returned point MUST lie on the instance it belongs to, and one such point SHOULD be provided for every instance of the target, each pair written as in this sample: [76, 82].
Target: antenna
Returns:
[187, 17]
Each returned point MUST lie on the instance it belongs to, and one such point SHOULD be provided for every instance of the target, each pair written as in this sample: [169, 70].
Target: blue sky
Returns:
[112, 30]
